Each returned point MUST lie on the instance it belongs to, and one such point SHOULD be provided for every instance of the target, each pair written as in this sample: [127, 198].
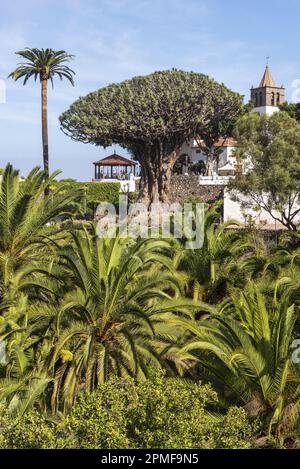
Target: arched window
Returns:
[273, 99]
[256, 100]
[278, 98]
[260, 99]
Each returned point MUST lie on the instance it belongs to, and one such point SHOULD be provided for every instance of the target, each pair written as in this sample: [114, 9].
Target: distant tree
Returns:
[271, 148]
[152, 117]
[293, 110]
[198, 168]
[181, 163]
[44, 64]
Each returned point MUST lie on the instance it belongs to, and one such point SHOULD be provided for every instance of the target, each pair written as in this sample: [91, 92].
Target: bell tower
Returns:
[267, 96]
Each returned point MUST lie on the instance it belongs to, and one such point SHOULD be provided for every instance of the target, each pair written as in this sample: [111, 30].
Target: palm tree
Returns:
[44, 64]
[27, 222]
[114, 321]
[212, 266]
[246, 347]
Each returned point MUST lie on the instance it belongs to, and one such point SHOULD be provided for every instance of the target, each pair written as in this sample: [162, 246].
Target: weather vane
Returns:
[268, 58]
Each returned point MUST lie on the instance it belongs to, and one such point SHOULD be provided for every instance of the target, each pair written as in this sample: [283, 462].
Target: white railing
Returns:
[214, 180]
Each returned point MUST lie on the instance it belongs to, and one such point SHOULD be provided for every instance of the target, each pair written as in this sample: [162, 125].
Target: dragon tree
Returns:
[152, 117]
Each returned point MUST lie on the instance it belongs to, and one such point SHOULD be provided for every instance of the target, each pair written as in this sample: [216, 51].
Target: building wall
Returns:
[224, 157]
[184, 187]
[233, 210]
[271, 96]
[269, 110]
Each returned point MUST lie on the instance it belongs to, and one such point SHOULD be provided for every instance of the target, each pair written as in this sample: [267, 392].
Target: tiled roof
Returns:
[222, 142]
[267, 79]
[115, 160]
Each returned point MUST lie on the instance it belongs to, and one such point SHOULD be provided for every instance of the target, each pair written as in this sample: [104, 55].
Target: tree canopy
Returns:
[151, 116]
[293, 109]
[270, 147]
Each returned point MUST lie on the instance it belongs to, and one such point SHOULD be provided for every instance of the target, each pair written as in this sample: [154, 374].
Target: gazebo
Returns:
[114, 167]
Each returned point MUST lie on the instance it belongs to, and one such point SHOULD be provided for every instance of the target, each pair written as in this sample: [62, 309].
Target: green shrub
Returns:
[98, 419]
[94, 192]
[91, 194]
[156, 413]
[132, 197]
[102, 192]
[190, 199]
[236, 430]
[170, 413]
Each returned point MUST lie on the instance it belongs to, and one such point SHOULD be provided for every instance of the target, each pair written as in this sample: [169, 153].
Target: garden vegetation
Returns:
[140, 343]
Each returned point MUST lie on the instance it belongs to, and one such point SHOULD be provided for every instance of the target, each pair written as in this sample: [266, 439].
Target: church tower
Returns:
[267, 96]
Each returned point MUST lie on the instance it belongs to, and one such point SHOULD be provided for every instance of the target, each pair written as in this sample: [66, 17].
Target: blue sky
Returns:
[116, 39]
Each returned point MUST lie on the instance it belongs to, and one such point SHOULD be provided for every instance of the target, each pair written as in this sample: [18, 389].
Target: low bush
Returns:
[157, 413]
[98, 420]
[30, 432]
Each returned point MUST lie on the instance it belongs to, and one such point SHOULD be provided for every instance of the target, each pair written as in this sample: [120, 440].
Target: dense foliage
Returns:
[96, 192]
[157, 413]
[91, 193]
[107, 339]
[292, 109]
[151, 116]
[269, 150]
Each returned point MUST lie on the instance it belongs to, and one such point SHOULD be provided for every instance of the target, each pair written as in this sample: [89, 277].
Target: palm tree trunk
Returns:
[212, 271]
[45, 127]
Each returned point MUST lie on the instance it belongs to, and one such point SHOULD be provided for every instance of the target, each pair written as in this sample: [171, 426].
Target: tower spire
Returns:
[267, 79]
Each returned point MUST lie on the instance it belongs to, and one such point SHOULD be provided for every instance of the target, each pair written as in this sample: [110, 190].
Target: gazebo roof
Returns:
[115, 160]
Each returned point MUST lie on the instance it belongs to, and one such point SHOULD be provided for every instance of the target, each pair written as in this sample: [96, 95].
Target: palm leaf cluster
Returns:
[43, 64]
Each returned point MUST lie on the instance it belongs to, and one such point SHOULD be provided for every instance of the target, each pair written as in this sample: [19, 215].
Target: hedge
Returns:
[97, 192]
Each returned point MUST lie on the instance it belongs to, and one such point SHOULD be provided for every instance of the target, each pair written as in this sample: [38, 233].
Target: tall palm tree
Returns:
[43, 64]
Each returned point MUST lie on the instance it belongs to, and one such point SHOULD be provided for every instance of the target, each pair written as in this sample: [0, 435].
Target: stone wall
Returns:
[184, 187]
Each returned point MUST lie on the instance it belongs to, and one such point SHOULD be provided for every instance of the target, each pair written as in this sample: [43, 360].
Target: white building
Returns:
[266, 97]
[233, 210]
